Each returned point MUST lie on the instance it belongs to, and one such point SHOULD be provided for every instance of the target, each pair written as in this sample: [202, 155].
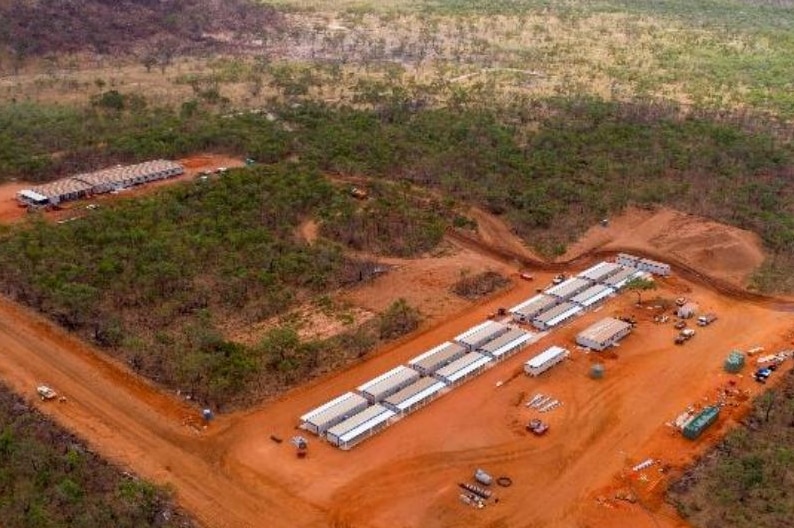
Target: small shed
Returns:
[687, 311]
[734, 362]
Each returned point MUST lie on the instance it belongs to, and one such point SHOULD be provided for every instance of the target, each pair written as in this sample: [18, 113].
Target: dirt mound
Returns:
[722, 251]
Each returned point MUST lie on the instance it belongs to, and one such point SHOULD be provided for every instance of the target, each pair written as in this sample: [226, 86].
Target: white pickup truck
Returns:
[707, 319]
[46, 393]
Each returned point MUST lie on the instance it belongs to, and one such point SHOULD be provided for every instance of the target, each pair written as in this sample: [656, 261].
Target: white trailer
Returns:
[545, 360]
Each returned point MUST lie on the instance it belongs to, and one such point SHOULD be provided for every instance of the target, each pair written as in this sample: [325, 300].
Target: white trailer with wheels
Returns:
[545, 360]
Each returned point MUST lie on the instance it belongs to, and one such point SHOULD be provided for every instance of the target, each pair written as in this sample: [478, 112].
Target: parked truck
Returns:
[707, 319]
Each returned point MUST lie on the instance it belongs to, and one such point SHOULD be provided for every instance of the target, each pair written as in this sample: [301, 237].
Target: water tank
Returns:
[597, 371]
[482, 477]
[734, 362]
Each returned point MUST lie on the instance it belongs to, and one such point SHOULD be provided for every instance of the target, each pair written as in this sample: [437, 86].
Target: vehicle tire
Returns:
[505, 482]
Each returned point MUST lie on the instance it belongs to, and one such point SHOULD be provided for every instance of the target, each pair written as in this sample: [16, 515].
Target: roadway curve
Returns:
[681, 268]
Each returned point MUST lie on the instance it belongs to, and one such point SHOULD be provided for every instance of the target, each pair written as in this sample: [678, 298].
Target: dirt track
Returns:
[232, 474]
[134, 424]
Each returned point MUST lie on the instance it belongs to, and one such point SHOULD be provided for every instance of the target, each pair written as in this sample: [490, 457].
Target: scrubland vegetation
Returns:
[551, 113]
[48, 477]
[747, 480]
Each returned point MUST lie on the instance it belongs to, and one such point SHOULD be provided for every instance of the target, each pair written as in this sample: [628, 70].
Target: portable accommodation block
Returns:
[603, 333]
[545, 360]
[359, 427]
[386, 384]
[437, 357]
[335, 411]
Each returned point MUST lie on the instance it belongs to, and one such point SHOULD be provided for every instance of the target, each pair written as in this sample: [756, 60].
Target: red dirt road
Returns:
[130, 422]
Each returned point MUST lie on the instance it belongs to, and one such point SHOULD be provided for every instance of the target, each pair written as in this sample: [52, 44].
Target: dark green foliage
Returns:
[476, 286]
[394, 221]
[49, 478]
[399, 319]
[747, 481]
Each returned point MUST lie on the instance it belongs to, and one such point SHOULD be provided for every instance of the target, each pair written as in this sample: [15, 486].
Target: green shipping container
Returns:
[701, 422]
[734, 362]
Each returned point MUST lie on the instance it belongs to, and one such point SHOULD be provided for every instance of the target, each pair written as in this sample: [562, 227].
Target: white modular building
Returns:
[506, 344]
[567, 289]
[643, 264]
[359, 427]
[463, 368]
[106, 180]
[57, 191]
[335, 411]
[600, 271]
[545, 360]
[603, 334]
[437, 357]
[387, 384]
[527, 310]
[592, 295]
[619, 279]
[556, 315]
[414, 396]
[481, 334]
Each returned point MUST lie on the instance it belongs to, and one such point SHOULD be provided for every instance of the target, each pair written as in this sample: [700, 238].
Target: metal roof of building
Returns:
[534, 306]
[463, 366]
[592, 295]
[603, 330]
[473, 336]
[600, 271]
[569, 287]
[618, 279]
[62, 187]
[415, 392]
[439, 355]
[358, 423]
[556, 311]
[546, 355]
[386, 383]
[334, 408]
[126, 173]
[511, 335]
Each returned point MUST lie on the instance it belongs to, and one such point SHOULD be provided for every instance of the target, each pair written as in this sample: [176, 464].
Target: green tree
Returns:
[639, 285]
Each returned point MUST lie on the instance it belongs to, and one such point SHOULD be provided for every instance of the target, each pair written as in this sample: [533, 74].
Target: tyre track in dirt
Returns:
[130, 422]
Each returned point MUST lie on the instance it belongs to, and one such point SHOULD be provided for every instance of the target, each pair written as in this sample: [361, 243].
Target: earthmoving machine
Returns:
[301, 446]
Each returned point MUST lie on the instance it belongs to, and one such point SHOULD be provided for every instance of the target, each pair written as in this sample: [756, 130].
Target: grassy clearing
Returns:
[718, 54]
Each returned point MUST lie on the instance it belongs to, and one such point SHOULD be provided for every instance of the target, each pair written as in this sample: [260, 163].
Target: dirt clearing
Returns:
[721, 251]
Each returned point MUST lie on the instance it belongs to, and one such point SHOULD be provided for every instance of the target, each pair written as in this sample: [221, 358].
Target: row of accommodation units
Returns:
[103, 181]
[569, 298]
[357, 415]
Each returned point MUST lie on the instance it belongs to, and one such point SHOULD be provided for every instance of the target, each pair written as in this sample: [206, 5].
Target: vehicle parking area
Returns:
[408, 475]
